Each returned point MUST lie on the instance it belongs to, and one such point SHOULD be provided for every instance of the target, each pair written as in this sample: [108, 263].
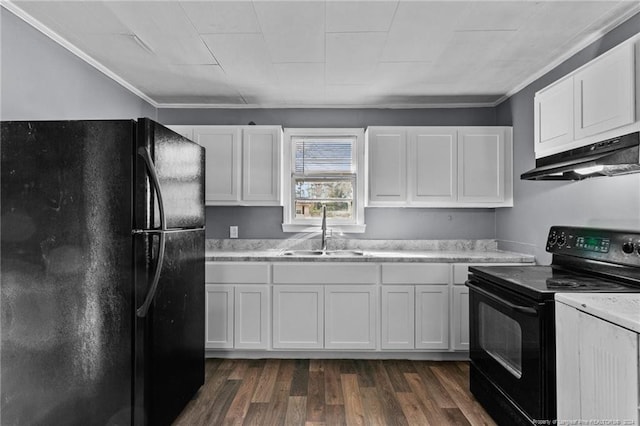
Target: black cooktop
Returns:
[542, 282]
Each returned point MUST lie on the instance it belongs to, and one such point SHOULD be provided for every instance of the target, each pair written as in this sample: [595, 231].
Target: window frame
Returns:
[289, 222]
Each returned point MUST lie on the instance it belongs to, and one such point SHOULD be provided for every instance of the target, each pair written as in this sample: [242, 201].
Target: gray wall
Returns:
[382, 223]
[601, 202]
[40, 80]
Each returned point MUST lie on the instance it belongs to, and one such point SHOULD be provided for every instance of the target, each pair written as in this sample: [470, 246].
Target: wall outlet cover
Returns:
[233, 232]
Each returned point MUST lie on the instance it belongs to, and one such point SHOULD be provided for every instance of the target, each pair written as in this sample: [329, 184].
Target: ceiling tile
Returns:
[352, 57]
[244, 59]
[74, 16]
[150, 19]
[222, 16]
[300, 75]
[359, 16]
[293, 31]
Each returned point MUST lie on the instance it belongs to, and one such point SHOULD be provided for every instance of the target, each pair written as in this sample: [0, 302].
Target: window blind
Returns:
[322, 156]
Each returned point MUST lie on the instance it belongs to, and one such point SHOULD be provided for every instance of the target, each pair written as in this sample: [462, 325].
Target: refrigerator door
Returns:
[169, 257]
[179, 165]
[66, 273]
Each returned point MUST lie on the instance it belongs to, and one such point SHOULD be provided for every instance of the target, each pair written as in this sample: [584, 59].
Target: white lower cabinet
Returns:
[597, 365]
[398, 317]
[251, 316]
[350, 317]
[460, 318]
[432, 317]
[298, 317]
[218, 316]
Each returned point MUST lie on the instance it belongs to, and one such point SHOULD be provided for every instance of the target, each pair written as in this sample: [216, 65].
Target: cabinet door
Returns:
[222, 170]
[553, 118]
[481, 164]
[251, 317]
[604, 92]
[432, 317]
[398, 317]
[298, 317]
[261, 149]
[218, 316]
[186, 131]
[350, 317]
[387, 150]
[432, 164]
[460, 318]
[608, 371]
[567, 362]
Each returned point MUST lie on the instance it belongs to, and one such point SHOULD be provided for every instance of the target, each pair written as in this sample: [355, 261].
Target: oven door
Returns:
[507, 345]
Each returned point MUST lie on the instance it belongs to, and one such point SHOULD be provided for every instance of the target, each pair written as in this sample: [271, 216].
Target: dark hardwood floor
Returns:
[334, 392]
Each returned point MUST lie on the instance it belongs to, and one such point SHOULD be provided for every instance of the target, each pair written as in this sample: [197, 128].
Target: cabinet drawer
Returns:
[236, 273]
[433, 273]
[325, 273]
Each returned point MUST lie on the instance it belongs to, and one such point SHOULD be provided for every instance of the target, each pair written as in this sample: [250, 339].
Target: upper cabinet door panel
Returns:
[433, 167]
[387, 165]
[604, 92]
[222, 159]
[261, 164]
[481, 165]
[553, 117]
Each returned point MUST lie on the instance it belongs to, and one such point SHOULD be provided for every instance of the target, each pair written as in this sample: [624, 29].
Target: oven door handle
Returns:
[527, 310]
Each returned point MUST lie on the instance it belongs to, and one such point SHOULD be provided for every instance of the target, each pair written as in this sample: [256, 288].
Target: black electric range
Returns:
[512, 317]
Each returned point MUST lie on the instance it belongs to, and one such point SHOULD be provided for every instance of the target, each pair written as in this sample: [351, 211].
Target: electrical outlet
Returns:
[233, 232]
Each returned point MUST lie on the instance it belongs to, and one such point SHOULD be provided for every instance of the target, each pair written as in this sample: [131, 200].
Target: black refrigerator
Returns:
[102, 272]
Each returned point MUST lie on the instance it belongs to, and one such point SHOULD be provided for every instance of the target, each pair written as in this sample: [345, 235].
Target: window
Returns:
[323, 166]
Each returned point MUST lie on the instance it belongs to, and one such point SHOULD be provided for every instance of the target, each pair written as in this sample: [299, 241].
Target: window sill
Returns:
[347, 229]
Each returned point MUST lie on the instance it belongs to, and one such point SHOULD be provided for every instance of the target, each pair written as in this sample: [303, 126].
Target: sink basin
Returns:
[323, 253]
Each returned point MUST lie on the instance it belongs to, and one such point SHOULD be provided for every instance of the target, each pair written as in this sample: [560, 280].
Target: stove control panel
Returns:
[593, 243]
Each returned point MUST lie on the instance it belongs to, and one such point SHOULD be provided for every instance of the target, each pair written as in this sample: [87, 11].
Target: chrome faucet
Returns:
[324, 228]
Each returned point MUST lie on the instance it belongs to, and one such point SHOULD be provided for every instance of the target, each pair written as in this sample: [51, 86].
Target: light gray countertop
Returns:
[426, 256]
[622, 309]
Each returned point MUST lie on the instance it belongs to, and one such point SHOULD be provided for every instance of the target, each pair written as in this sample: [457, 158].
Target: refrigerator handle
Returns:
[146, 156]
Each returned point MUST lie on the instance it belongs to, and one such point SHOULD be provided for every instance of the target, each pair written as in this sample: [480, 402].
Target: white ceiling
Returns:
[332, 53]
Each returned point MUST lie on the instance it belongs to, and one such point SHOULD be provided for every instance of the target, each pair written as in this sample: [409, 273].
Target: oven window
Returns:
[501, 337]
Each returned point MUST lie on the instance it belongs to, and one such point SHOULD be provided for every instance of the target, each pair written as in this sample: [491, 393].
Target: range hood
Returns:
[617, 156]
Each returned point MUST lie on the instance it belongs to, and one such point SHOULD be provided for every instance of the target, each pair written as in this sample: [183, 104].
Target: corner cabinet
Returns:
[439, 167]
[243, 163]
[596, 102]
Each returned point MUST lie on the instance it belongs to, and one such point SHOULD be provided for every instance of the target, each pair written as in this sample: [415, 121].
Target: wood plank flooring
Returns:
[334, 392]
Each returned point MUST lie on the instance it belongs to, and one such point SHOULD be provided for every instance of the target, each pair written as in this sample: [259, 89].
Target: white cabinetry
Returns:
[251, 316]
[237, 305]
[298, 317]
[481, 164]
[350, 316]
[604, 92]
[426, 286]
[553, 116]
[460, 318]
[323, 305]
[398, 317]
[598, 101]
[242, 163]
[439, 166]
[597, 365]
[218, 313]
[387, 150]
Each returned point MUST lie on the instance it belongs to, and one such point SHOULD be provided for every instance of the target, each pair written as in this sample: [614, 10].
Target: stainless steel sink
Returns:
[341, 253]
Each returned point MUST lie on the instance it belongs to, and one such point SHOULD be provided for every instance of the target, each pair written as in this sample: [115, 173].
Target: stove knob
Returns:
[561, 240]
[553, 239]
[628, 247]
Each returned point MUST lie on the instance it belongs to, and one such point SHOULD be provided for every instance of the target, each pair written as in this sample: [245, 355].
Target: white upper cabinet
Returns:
[261, 164]
[243, 163]
[604, 92]
[433, 168]
[222, 162]
[481, 164]
[553, 117]
[388, 157]
[440, 166]
[596, 102]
